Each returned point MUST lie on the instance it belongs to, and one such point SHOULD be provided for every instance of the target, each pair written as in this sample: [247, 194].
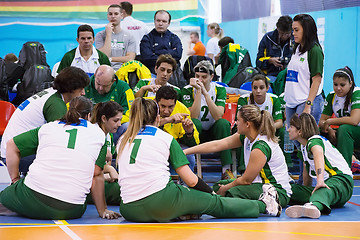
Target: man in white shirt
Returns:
[135, 27]
[85, 56]
[118, 45]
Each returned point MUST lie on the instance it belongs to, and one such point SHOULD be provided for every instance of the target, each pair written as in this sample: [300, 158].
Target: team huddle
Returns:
[66, 137]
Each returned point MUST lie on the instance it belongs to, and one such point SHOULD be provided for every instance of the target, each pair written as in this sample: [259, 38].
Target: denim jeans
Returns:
[191, 159]
[316, 110]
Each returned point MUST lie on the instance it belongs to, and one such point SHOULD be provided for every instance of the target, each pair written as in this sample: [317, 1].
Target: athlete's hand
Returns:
[108, 214]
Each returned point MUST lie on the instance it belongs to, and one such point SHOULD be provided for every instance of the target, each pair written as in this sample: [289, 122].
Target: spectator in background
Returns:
[85, 56]
[275, 48]
[160, 41]
[117, 44]
[215, 33]
[199, 48]
[133, 26]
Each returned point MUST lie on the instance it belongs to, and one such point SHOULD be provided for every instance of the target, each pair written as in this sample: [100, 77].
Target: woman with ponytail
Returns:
[344, 103]
[147, 191]
[264, 159]
[70, 155]
[323, 162]
[215, 33]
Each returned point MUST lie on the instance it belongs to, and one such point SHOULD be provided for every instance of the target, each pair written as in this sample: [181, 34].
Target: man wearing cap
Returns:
[206, 102]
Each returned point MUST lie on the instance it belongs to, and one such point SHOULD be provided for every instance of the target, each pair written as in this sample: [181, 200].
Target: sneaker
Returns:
[271, 198]
[227, 175]
[355, 166]
[308, 210]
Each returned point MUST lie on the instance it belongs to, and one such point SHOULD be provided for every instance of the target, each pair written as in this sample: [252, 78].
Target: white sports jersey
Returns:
[65, 160]
[275, 170]
[334, 160]
[266, 105]
[298, 78]
[89, 66]
[209, 119]
[144, 165]
[29, 115]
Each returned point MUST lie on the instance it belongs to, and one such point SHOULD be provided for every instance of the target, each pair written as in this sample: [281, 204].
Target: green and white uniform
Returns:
[208, 128]
[301, 69]
[337, 176]
[120, 92]
[217, 94]
[273, 105]
[62, 170]
[149, 195]
[74, 58]
[348, 136]
[145, 82]
[275, 171]
[45, 106]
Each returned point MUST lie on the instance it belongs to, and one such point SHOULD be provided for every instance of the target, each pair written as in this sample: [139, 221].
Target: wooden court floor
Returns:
[343, 223]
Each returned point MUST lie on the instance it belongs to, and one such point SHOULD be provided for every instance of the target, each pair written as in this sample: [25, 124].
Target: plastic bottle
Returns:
[288, 144]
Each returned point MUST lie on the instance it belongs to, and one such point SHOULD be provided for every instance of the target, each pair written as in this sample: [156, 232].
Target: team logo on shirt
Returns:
[302, 59]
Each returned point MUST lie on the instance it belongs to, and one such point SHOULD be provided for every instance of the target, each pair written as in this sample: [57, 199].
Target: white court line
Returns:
[67, 230]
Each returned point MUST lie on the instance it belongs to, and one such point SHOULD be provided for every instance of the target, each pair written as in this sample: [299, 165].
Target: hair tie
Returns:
[342, 71]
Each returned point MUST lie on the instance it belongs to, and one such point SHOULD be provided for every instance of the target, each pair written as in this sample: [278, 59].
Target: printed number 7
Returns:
[135, 150]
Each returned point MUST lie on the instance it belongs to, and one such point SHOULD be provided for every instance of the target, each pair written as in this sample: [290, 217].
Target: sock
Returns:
[262, 206]
[227, 166]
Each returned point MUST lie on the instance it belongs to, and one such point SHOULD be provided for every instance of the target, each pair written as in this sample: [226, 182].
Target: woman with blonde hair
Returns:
[264, 160]
[148, 194]
[215, 33]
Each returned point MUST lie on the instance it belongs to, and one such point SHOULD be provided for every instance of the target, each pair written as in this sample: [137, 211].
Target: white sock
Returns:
[227, 166]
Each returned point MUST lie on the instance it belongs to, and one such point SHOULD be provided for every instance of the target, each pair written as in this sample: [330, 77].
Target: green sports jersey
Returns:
[217, 94]
[335, 104]
[272, 104]
[120, 92]
[145, 82]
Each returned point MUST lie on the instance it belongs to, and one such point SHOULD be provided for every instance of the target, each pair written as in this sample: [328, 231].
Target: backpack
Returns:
[177, 78]
[189, 65]
[244, 76]
[32, 53]
[35, 79]
[3, 81]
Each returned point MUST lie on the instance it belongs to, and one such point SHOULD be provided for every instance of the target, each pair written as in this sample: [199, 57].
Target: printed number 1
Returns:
[72, 138]
[135, 150]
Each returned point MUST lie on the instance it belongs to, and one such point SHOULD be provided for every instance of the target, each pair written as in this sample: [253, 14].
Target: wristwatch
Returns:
[308, 102]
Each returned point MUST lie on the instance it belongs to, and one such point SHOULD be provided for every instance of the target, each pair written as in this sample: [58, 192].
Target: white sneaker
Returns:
[271, 198]
[307, 210]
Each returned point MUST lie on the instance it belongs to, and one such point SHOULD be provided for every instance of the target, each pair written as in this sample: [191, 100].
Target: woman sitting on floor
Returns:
[148, 194]
[334, 182]
[264, 159]
[70, 155]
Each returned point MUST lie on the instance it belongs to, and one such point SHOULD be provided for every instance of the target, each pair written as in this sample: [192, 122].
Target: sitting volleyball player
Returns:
[206, 102]
[72, 151]
[45, 106]
[147, 192]
[165, 66]
[322, 161]
[264, 160]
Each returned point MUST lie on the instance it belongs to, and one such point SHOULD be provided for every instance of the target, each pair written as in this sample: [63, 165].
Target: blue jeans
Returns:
[120, 132]
[316, 110]
[191, 159]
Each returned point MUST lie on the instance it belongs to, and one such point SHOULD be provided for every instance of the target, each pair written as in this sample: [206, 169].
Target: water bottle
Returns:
[288, 144]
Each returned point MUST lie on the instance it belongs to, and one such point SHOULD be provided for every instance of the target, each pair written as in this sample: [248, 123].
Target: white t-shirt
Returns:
[212, 47]
[65, 160]
[89, 66]
[275, 170]
[144, 165]
[136, 28]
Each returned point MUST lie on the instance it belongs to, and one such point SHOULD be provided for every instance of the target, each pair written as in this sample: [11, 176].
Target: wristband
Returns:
[14, 179]
[202, 186]
[191, 133]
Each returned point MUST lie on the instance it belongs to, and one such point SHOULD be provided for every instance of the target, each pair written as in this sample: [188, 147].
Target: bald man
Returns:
[105, 86]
